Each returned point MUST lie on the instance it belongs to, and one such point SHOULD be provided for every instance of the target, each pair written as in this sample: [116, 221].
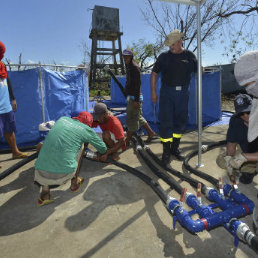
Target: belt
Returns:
[177, 87]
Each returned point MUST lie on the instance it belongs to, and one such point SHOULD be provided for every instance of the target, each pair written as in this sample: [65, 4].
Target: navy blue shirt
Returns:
[237, 133]
[176, 69]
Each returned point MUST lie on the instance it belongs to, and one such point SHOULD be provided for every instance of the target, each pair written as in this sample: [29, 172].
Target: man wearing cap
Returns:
[176, 67]
[134, 118]
[246, 73]
[112, 130]
[60, 156]
[237, 135]
[7, 107]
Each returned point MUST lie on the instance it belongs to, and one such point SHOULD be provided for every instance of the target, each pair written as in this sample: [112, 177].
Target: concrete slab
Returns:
[114, 215]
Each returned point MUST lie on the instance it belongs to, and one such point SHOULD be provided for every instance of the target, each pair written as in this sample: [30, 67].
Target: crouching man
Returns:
[61, 154]
[237, 136]
[112, 130]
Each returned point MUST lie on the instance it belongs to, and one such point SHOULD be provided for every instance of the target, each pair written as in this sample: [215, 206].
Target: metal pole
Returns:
[42, 93]
[198, 9]
[86, 89]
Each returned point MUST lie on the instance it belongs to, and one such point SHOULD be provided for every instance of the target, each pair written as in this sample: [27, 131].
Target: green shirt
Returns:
[60, 148]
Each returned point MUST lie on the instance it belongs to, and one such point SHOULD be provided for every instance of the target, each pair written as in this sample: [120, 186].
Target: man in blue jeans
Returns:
[176, 67]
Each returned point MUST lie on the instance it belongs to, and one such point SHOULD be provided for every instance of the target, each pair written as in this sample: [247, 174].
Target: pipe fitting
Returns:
[184, 217]
[172, 204]
[207, 191]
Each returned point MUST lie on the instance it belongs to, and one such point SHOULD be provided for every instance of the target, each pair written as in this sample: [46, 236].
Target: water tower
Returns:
[105, 30]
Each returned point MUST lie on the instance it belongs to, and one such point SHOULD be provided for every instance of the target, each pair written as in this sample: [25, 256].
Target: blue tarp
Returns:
[211, 98]
[59, 92]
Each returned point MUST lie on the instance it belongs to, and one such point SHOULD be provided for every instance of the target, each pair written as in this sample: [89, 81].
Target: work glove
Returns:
[237, 161]
[227, 165]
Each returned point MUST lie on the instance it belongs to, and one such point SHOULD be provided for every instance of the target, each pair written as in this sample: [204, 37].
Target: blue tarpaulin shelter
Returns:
[211, 97]
[44, 95]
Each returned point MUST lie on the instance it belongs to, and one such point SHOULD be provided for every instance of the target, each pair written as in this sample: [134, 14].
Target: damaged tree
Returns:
[218, 22]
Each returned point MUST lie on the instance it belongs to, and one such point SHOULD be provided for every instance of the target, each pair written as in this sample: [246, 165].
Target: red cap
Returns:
[85, 118]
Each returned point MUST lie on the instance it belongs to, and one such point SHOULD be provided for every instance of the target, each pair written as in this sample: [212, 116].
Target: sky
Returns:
[51, 31]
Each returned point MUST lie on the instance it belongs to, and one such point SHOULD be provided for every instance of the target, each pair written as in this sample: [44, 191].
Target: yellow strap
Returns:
[177, 135]
[166, 140]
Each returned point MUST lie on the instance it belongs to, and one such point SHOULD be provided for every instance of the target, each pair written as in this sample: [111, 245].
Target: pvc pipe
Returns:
[194, 226]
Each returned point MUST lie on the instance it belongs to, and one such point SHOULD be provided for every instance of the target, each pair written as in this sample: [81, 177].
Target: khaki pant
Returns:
[134, 118]
[47, 178]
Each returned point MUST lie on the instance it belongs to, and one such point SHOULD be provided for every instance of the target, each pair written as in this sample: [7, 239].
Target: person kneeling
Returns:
[61, 154]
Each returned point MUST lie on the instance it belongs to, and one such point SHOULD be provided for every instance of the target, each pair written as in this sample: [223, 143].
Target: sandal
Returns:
[22, 156]
[79, 185]
[44, 202]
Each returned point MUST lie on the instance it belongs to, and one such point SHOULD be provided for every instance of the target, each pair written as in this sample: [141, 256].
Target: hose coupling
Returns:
[204, 148]
[90, 154]
[138, 148]
[244, 233]
[146, 147]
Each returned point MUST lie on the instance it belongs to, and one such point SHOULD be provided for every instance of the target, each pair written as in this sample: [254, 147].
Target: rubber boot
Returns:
[246, 178]
[166, 153]
[174, 150]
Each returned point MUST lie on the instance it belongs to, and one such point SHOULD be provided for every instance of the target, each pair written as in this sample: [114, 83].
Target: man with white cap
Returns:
[246, 73]
[176, 67]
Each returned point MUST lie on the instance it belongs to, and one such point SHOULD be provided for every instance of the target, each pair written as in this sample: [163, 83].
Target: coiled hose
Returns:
[199, 173]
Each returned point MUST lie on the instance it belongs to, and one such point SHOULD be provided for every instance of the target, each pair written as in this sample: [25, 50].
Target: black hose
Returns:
[169, 180]
[254, 243]
[19, 164]
[199, 173]
[117, 81]
[185, 177]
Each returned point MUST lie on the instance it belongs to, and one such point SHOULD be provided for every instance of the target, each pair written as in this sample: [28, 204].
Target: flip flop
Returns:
[149, 139]
[22, 156]
[78, 188]
[44, 202]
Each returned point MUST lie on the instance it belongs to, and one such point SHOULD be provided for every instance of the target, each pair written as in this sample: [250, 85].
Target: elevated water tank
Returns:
[105, 19]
